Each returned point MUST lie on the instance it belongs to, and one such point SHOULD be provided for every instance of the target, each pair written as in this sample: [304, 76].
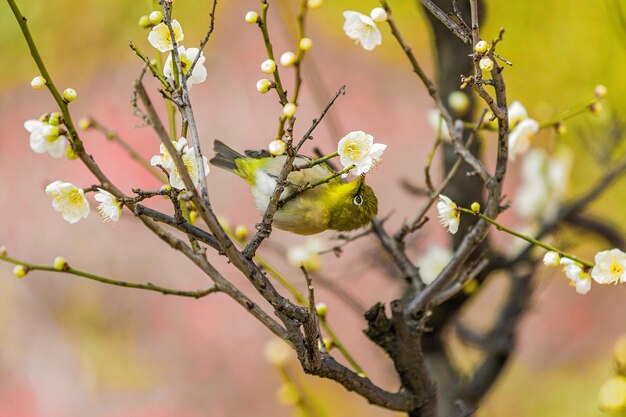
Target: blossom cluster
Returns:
[46, 135]
[609, 268]
[363, 29]
[188, 156]
[70, 201]
[160, 38]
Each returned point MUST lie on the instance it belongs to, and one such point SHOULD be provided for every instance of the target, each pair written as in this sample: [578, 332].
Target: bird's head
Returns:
[355, 204]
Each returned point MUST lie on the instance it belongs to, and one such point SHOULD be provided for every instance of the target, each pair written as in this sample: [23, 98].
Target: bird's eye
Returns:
[358, 200]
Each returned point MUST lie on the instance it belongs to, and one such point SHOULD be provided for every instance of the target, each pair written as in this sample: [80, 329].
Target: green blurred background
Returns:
[123, 358]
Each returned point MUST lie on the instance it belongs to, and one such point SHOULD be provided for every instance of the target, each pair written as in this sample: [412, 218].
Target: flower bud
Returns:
[613, 394]
[475, 207]
[85, 123]
[305, 44]
[60, 263]
[288, 394]
[486, 64]
[20, 271]
[328, 344]
[38, 82]
[600, 91]
[560, 128]
[70, 154]
[54, 132]
[3, 251]
[263, 85]
[156, 17]
[277, 147]
[314, 4]
[321, 309]
[193, 216]
[596, 108]
[378, 14]
[470, 287]
[277, 352]
[144, 22]
[268, 66]
[241, 232]
[252, 17]
[289, 110]
[481, 47]
[55, 118]
[551, 258]
[69, 94]
[459, 102]
[288, 59]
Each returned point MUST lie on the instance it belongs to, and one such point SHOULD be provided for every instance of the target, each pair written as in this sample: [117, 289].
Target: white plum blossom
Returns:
[110, 208]
[161, 39]
[522, 129]
[519, 137]
[45, 137]
[187, 56]
[544, 184]
[432, 262]
[306, 255]
[69, 200]
[358, 148]
[517, 112]
[438, 124]
[188, 156]
[610, 267]
[449, 214]
[363, 29]
[551, 258]
[577, 276]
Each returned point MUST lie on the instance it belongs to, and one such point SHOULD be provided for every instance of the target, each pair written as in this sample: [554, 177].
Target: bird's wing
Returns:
[298, 178]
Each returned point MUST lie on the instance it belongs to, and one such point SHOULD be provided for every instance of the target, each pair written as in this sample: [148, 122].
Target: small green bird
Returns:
[334, 205]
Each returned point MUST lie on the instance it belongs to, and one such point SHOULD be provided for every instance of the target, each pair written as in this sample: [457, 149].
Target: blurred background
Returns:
[71, 347]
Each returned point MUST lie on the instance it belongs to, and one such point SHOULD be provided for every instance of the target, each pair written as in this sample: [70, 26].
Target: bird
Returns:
[335, 205]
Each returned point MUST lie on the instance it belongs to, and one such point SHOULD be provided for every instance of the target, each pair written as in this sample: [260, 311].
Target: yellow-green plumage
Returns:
[335, 205]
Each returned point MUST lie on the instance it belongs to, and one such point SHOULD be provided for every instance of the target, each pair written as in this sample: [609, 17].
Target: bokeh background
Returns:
[70, 347]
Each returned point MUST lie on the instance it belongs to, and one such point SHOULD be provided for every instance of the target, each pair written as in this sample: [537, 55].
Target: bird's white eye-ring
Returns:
[358, 200]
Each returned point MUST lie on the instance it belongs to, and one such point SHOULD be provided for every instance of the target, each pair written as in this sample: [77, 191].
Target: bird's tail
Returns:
[225, 156]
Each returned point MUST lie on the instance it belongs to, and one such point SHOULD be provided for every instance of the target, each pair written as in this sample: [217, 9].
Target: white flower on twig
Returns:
[551, 258]
[187, 56]
[522, 129]
[432, 262]
[188, 156]
[610, 267]
[69, 200]
[438, 124]
[544, 184]
[363, 29]
[110, 208]
[45, 137]
[358, 148]
[449, 214]
[577, 275]
[306, 255]
[161, 39]
[519, 138]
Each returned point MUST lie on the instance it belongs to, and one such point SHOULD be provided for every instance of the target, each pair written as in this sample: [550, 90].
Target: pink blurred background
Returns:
[71, 347]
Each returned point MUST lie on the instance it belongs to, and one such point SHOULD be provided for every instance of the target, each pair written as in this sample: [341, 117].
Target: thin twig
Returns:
[206, 38]
[127, 284]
